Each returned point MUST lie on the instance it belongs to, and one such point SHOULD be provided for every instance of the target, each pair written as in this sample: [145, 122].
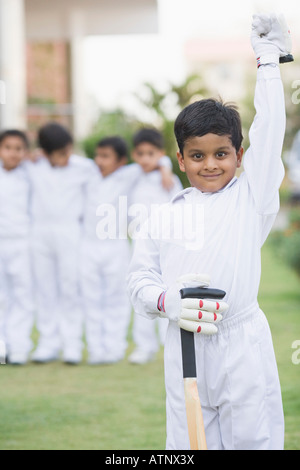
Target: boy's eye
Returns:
[198, 156]
[221, 154]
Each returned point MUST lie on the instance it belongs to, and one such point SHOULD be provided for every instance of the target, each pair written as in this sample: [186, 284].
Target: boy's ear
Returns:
[181, 162]
[239, 155]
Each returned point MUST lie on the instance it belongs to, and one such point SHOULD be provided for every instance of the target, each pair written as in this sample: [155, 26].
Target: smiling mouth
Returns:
[211, 176]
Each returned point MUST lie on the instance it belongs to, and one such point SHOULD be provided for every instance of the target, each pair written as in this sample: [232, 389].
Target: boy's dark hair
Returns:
[117, 144]
[54, 136]
[149, 135]
[208, 116]
[15, 133]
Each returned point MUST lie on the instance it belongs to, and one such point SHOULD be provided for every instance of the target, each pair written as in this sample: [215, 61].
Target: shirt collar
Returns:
[190, 189]
[231, 183]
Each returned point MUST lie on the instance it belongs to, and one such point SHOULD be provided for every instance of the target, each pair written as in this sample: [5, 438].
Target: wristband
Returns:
[267, 59]
[161, 302]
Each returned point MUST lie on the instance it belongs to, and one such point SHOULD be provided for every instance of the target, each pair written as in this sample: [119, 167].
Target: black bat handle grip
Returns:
[286, 58]
[187, 337]
[202, 293]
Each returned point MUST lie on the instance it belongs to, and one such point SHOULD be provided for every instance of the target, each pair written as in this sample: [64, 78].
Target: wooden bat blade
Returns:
[192, 401]
[194, 415]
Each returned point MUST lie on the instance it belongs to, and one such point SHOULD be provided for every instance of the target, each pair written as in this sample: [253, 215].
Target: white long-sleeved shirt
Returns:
[147, 196]
[110, 199]
[150, 191]
[104, 201]
[219, 233]
[14, 202]
[59, 193]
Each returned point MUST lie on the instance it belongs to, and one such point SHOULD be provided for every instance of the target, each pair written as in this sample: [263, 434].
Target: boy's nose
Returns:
[210, 163]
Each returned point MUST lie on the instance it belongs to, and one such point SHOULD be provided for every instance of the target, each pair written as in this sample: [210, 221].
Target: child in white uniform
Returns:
[148, 148]
[106, 251]
[237, 373]
[16, 309]
[59, 189]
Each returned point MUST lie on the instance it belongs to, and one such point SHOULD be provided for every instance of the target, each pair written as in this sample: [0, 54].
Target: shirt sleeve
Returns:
[28, 181]
[133, 172]
[165, 162]
[144, 280]
[262, 162]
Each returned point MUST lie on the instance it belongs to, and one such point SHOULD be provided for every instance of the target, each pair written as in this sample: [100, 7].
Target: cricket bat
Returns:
[192, 401]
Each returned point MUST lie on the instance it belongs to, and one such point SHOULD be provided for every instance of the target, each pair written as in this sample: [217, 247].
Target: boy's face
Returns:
[107, 160]
[147, 156]
[12, 152]
[60, 158]
[210, 161]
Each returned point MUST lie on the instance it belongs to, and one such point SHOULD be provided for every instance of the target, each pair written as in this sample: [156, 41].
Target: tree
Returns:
[116, 122]
[165, 106]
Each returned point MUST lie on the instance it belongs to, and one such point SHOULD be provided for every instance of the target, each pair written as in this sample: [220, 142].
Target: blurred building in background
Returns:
[224, 65]
[42, 60]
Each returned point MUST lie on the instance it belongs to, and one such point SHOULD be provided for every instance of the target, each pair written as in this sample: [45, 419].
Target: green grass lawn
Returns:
[279, 298]
[122, 407]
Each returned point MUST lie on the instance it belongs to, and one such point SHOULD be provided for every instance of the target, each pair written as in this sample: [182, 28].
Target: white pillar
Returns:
[12, 64]
[81, 119]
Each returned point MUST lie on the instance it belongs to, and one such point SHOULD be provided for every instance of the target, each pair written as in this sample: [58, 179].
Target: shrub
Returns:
[286, 243]
[111, 123]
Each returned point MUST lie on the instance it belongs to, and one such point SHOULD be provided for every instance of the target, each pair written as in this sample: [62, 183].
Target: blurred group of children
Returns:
[58, 270]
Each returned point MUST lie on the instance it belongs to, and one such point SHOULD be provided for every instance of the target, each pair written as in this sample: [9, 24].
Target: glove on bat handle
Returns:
[187, 338]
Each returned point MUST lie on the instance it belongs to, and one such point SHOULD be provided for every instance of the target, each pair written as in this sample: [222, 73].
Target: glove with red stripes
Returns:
[195, 315]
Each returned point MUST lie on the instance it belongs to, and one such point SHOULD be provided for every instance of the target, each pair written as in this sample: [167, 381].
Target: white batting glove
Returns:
[270, 38]
[195, 315]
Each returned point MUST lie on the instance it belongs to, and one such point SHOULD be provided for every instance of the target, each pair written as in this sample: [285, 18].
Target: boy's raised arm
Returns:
[262, 162]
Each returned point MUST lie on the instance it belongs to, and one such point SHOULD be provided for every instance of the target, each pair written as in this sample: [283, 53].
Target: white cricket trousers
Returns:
[107, 308]
[16, 296]
[55, 253]
[238, 386]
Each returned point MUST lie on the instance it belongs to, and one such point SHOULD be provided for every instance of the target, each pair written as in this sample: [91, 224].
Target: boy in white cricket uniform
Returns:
[16, 309]
[59, 189]
[106, 250]
[237, 373]
[148, 148]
